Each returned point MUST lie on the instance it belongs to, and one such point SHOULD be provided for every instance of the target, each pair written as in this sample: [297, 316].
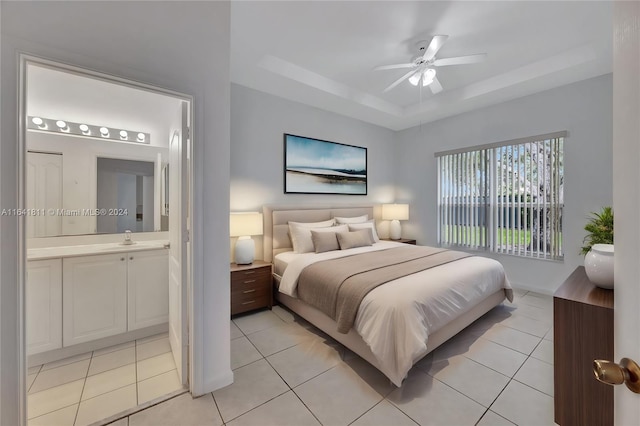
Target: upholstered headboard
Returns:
[276, 222]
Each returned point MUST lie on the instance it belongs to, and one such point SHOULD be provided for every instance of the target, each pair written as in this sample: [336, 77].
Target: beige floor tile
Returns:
[53, 399]
[106, 405]
[497, 357]
[257, 321]
[430, 402]
[112, 360]
[276, 339]
[234, 331]
[514, 339]
[114, 348]
[519, 292]
[152, 348]
[66, 361]
[156, 365]
[384, 414]
[338, 396]
[152, 338]
[457, 345]
[492, 419]
[30, 379]
[243, 353]
[549, 335]
[182, 410]
[474, 380]
[253, 385]
[58, 376]
[537, 374]
[302, 362]
[544, 351]
[109, 381]
[158, 386]
[285, 410]
[283, 313]
[121, 422]
[63, 417]
[369, 374]
[524, 406]
[538, 300]
[535, 312]
[527, 325]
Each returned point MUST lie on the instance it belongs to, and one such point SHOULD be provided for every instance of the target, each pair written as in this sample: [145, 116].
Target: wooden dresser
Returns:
[582, 332]
[250, 287]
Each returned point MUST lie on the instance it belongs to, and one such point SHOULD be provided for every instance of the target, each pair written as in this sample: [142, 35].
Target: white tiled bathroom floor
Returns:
[93, 386]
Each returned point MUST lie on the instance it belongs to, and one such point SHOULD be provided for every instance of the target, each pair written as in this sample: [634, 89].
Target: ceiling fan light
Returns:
[415, 79]
[428, 76]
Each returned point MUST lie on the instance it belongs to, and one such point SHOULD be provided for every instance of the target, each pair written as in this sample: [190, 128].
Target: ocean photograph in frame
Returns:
[314, 166]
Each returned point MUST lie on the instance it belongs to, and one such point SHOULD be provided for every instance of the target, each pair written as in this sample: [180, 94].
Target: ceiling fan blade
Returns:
[434, 46]
[400, 80]
[435, 86]
[460, 60]
[394, 67]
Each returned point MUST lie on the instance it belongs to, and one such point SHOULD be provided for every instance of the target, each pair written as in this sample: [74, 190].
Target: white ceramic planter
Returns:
[598, 264]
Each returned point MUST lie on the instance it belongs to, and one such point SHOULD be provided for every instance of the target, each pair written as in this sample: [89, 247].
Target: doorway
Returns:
[105, 284]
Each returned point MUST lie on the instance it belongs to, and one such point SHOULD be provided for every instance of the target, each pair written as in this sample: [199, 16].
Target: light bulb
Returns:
[104, 132]
[415, 79]
[37, 121]
[62, 126]
[141, 137]
[428, 77]
[123, 134]
[84, 128]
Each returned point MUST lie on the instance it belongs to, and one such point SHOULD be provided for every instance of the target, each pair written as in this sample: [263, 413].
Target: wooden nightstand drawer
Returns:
[250, 287]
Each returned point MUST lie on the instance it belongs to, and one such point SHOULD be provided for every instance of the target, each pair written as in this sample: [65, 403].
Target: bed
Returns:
[399, 322]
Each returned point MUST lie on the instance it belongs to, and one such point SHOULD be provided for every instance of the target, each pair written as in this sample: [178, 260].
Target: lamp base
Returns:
[245, 251]
[395, 231]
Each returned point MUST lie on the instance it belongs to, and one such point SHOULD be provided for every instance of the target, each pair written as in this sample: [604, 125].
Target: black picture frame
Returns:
[316, 166]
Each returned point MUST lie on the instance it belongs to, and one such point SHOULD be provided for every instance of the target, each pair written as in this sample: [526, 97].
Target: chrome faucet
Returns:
[127, 238]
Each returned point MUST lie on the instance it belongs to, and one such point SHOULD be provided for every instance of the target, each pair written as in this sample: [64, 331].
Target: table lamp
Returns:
[395, 213]
[243, 226]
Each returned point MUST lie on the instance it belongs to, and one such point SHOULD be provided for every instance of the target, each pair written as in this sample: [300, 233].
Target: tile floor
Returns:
[498, 371]
[86, 388]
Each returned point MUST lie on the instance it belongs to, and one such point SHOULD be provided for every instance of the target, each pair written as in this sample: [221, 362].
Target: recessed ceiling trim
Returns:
[325, 84]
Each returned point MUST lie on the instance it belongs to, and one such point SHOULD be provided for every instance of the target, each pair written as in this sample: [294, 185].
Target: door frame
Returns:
[24, 59]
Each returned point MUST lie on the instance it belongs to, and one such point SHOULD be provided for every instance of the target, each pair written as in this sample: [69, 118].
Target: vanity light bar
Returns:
[87, 130]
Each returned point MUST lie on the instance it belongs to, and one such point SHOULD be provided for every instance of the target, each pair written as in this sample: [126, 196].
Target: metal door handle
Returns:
[626, 372]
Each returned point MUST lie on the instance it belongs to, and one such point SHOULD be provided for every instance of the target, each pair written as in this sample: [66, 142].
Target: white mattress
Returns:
[396, 319]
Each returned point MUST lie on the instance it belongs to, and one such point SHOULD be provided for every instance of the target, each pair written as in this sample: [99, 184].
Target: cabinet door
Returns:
[148, 276]
[94, 297]
[43, 296]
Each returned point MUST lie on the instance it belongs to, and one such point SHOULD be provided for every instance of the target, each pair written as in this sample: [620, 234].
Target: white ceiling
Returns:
[61, 95]
[322, 53]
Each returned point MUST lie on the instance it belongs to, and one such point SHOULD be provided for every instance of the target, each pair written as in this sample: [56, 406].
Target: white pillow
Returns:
[300, 233]
[357, 219]
[367, 225]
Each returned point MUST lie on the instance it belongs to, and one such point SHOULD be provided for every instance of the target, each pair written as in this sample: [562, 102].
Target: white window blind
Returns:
[505, 197]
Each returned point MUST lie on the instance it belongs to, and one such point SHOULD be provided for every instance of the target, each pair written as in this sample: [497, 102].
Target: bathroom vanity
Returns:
[82, 297]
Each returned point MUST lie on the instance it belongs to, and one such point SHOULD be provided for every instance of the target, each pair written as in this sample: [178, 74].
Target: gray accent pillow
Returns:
[360, 238]
[324, 241]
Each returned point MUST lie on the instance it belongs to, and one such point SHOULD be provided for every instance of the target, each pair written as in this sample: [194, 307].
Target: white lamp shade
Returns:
[244, 224]
[395, 212]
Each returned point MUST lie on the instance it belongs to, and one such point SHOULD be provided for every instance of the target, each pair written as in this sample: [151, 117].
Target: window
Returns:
[505, 197]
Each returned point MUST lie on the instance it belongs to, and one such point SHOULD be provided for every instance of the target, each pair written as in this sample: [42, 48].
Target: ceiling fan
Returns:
[423, 66]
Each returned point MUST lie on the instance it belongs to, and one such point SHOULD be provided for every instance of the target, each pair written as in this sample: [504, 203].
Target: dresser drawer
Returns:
[242, 302]
[251, 275]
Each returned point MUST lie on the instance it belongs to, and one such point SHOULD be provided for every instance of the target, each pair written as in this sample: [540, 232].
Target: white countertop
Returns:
[93, 249]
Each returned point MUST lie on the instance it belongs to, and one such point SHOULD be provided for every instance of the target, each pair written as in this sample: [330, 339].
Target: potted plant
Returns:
[598, 248]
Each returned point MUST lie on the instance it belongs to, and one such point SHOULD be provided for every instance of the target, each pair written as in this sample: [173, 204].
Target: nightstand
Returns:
[250, 287]
[402, 240]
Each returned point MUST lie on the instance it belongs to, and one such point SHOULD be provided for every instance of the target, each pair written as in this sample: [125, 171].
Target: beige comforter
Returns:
[338, 286]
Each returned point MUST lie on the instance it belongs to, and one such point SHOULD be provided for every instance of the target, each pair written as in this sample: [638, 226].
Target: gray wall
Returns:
[182, 46]
[584, 109]
[258, 122]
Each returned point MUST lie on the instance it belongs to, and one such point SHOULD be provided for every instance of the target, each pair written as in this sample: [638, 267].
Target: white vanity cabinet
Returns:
[94, 297]
[43, 295]
[148, 288]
